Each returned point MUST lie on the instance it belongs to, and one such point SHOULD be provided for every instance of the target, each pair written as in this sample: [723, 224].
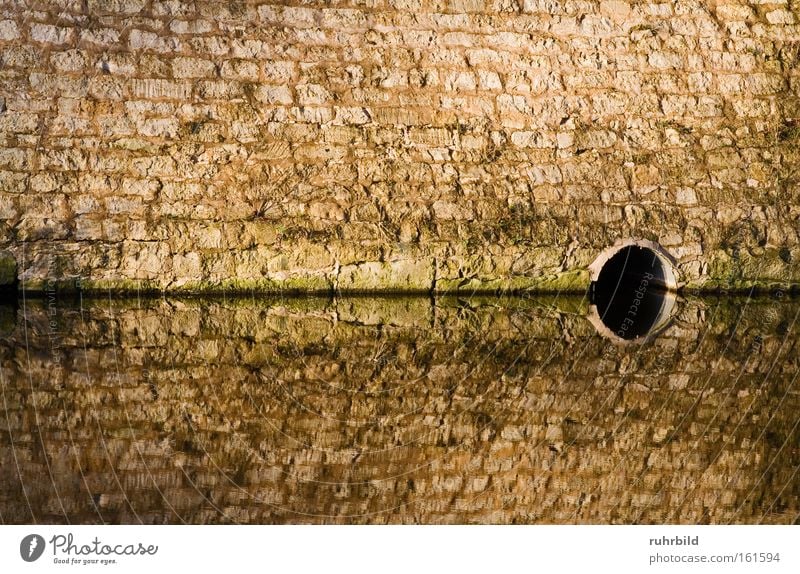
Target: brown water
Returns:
[402, 410]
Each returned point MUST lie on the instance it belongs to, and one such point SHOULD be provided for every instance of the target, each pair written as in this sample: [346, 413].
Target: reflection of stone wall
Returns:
[396, 144]
[397, 411]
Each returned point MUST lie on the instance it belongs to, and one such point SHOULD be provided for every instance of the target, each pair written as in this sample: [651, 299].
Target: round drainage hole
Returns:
[631, 292]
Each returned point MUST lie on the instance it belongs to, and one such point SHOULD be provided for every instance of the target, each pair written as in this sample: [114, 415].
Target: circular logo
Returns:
[31, 547]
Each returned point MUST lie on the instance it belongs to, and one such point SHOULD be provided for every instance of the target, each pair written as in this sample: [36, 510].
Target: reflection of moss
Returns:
[568, 282]
[567, 304]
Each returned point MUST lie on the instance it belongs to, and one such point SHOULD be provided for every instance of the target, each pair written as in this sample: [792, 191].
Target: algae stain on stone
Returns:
[8, 269]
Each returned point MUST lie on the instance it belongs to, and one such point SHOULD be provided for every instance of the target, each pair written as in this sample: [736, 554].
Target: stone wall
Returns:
[396, 144]
[396, 412]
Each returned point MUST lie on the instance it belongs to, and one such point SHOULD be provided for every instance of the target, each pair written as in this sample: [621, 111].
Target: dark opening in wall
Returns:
[631, 292]
[8, 293]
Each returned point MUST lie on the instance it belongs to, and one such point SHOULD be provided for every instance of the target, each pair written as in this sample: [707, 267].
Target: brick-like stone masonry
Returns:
[396, 411]
[396, 144]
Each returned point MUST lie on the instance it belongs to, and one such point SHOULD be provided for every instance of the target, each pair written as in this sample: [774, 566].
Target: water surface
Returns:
[404, 410]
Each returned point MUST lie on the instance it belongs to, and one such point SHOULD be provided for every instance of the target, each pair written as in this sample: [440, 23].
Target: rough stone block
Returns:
[240, 70]
[351, 116]
[123, 7]
[400, 275]
[191, 26]
[8, 30]
[312, 94]
[279, 72]
[184, 67]
[143, 40]
[69, 61]
[49, 34]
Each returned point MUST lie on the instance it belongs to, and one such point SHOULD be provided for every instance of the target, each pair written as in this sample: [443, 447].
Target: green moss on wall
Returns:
[8, 269]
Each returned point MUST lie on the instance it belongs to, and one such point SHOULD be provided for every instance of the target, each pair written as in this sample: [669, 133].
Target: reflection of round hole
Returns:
[631, 291]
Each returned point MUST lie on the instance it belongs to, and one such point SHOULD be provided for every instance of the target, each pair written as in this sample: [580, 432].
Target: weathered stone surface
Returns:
[468, 139]
[401, 275]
